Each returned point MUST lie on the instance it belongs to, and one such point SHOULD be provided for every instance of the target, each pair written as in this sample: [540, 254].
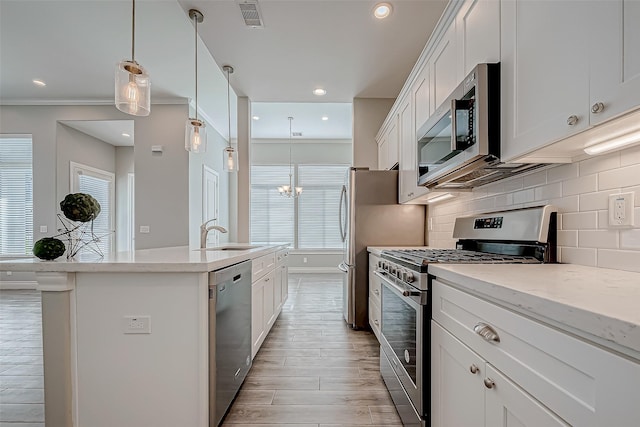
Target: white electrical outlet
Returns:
[136, 324]
[304, 260]
[621, 210]
[43, 229]
[144, 229]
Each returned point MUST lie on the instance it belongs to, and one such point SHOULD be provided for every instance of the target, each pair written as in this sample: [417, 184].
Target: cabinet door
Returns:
[408, 171]
[478, 33]
[277, 292]
[457, 390]
[257, 316]
[285, 284]
[615, 67]
[507, 405]
[544, 77]
[383, 156]
[392, 144]
[444, 68]
[268, 303]
[422, 97]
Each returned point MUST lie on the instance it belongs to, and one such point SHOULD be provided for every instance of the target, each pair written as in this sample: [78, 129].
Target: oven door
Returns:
[405, 337]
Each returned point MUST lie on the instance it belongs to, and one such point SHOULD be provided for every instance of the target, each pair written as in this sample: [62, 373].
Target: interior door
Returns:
[210, 201]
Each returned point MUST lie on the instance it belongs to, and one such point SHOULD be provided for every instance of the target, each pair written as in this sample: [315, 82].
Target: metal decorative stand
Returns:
[79, 236]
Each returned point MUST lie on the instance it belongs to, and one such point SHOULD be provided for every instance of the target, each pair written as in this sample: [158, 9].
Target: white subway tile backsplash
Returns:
[584, 184]
[630, 156]
[566, 204]
[622, 177]
[607, 239]
[504, 200]
[513, 184]
[619, 260]
[535, 179]
[636, 190]
[582, 256]
[630, 239]
[568, 238]
[580, 221]
[549, 191]
[599, 164]
[524, 196]
[595, 201]
[603, 220]
[562, 172]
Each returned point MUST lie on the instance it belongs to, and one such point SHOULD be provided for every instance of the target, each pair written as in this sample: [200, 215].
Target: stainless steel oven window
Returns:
[399, 327]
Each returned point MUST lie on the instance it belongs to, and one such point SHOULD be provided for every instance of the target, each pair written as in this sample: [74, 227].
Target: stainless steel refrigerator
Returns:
[371, 216]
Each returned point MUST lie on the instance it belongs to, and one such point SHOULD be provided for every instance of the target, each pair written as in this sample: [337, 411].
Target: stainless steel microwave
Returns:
[462, 138]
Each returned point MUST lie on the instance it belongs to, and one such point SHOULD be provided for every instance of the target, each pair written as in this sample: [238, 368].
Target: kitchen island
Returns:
[126, 337]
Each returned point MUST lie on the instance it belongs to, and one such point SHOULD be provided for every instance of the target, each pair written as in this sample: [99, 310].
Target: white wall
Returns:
[580, 191]
[125, 161]
[368, 116]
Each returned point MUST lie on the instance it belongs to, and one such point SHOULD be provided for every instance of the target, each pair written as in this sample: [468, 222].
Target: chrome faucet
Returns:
[204, 231]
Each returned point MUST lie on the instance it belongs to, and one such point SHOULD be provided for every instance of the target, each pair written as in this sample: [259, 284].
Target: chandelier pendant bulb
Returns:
[196, 131]
[229, 154]
[132, 83]
[290, 191]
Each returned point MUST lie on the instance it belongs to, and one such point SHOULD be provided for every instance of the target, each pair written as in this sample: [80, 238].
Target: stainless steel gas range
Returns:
[515, 236]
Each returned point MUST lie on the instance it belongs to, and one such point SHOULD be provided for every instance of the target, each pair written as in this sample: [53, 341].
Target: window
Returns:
[318, 207]
[99, 184]
[16, 196]
[308, 222]
[272, 216]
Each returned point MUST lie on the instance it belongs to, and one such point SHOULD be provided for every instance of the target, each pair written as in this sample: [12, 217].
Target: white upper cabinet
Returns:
[408, 188]
[615, 70]
[388, 146]
[444, 67]
[421, 92]
[578, 70]
[544, 73]
[478, 33]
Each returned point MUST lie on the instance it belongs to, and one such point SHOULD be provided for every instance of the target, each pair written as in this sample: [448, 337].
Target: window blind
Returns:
[16, 196]
[318, 207]
[272, 216]
[100, 189]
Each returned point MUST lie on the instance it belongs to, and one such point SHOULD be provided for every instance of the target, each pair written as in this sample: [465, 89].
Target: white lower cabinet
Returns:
[375, 304]
[468, 391]
[269, 291]
[523, 372]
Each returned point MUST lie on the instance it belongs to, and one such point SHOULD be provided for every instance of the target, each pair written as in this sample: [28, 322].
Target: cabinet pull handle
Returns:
[572, 120]
[486, 332]
[376, 322]
[410, 195]
[488, 383]
[598, 107]
[473, 369]
[377, 292]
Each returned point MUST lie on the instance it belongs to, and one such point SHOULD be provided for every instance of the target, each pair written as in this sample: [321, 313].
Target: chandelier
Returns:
[289, 190]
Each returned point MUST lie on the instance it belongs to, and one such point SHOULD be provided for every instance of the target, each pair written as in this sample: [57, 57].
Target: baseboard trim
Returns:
[314, 270]
[6, 285]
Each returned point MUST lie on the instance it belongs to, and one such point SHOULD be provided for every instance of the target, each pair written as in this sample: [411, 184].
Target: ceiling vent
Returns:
[251, 13]
[297, 134]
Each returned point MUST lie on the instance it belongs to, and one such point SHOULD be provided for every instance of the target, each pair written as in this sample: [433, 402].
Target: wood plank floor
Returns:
[313, 370]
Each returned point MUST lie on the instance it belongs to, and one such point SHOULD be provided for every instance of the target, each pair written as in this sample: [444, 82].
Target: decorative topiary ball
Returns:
[48, 248]
[80, 207]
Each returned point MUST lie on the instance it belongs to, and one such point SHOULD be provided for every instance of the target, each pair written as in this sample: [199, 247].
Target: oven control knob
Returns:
[409, 278]
[399, 274]
[379, 264]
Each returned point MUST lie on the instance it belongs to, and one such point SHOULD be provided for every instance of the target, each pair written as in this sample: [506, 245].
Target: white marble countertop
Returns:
[171, 259]
[603, 303]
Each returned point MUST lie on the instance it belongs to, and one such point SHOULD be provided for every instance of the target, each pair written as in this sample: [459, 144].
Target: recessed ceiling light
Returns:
[126, 135]
[255, 118]
[382, 10]
[319, 92]
[325, 118]
[38, 82]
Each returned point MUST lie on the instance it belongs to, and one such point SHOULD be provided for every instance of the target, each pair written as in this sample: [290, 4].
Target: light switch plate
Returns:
[144, 229]
[621, 210]
[43, 229]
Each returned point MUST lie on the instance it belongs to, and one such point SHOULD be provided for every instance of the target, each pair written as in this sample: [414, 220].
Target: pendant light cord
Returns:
[195, 21]
[229, 103]
[133, 32]
[290, 161]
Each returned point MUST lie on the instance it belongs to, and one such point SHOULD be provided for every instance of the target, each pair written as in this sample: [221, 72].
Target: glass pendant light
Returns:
[229, 154]
[290, 191]
[133, 86]
[195, 131]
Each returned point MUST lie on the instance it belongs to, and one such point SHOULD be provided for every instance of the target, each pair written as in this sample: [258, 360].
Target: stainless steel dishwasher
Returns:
[229, 336]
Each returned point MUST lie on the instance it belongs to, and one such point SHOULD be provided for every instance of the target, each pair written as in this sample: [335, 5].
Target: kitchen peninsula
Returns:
[98, 373]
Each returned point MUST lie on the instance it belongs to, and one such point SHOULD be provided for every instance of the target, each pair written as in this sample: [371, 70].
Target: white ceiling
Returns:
[336, 44]
[307, 118]
[110, 131]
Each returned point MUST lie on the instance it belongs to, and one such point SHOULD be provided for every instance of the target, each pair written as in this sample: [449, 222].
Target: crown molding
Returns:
[87, 102]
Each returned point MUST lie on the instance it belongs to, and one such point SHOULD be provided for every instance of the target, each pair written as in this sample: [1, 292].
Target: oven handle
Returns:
[401, 290]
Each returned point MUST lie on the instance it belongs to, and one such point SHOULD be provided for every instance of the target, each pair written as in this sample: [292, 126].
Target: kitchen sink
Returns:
[231, 248]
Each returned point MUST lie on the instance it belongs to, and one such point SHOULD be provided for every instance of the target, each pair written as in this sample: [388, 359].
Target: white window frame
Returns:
[77, 169]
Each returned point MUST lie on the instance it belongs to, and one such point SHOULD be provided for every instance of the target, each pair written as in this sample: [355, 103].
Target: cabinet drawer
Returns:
[582, 383]
[261, 265]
